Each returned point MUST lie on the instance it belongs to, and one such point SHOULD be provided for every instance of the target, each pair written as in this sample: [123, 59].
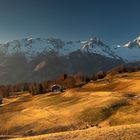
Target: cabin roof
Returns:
[56, 85]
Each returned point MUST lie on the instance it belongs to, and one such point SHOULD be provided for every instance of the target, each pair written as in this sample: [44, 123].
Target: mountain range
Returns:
[38, 59]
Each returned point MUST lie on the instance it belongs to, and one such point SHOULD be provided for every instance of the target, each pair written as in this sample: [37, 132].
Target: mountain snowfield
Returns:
[32, 47]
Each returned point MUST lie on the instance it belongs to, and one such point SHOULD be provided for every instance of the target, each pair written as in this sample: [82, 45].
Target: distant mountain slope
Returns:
[47, 58]
[40, 59]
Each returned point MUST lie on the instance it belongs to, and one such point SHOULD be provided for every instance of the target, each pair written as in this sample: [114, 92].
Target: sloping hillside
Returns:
[126, 132]
[97, 104]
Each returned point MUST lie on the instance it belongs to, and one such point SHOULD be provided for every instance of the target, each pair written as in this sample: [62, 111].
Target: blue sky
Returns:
[114, 21]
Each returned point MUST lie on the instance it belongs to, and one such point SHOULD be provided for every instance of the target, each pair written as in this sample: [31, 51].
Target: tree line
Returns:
[66, 81]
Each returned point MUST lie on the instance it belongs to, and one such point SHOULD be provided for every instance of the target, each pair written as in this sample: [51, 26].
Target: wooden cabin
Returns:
[56, 88]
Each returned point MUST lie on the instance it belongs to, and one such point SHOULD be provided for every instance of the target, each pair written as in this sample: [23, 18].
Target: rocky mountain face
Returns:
[30, 60]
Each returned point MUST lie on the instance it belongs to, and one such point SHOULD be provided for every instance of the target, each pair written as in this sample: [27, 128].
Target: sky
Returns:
[113, 21]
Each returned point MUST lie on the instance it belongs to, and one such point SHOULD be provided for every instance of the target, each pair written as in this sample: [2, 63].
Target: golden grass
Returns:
[97, 103]
[125, 132]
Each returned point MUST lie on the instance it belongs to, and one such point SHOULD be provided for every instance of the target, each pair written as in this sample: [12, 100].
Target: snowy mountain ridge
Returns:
[134, 43]
[38, 59]
[33, 47]
[130, 52]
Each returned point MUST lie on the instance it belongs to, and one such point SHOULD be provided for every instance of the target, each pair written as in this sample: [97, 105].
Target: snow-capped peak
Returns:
[91, 43]
[32, 47]
[95, 45]
[134, 43]
[29, 39]
[128, 45]
[137, 40]
[129, 51]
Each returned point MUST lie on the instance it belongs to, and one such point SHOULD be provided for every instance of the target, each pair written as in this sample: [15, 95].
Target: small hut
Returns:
[56, 88]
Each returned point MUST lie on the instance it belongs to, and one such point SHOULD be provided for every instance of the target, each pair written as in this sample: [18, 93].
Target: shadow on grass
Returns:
[95, 115]
[114, 86]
